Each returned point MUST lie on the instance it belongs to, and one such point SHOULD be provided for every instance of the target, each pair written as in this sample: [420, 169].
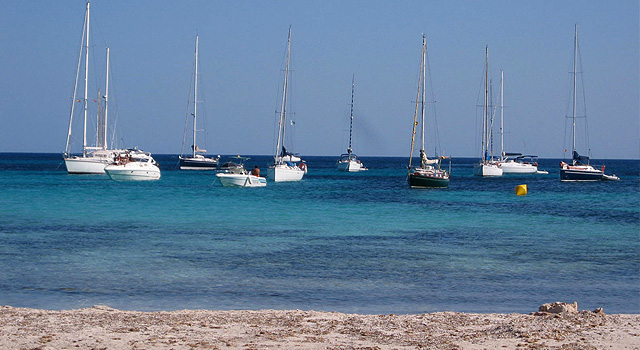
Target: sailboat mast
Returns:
[195, 100]
[281, 122]
[106, 107]
[86, 85]
[424, 88]
[485, 107]
[575, 73]
[502, 114]
[353, 84]
[415, 113]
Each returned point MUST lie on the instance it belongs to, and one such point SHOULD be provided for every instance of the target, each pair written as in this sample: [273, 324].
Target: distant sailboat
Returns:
[93, 158]
[349, 161]
[196, 161]
[429, 173]
[487, 166]
[579, 169]
[513, 163]
[284, 167]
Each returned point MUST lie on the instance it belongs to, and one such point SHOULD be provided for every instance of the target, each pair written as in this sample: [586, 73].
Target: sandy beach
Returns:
[101, 327]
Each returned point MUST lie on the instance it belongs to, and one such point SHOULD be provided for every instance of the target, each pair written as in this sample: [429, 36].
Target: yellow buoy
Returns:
[521, 190]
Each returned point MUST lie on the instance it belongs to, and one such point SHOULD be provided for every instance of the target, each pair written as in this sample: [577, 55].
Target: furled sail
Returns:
[425, 160]
[198, 149]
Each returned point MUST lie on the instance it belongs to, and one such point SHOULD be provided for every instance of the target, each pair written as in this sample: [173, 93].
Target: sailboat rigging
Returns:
[487, 166]
[93, 158]
[429, 173]
[196, 161]
[349, 161]
[513, 163]
[285, 166]
[580, 168]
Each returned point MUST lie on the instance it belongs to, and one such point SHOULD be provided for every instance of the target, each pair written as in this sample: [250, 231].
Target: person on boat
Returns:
[255, 171]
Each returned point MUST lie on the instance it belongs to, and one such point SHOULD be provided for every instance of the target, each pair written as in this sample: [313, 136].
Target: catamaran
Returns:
[285, 166]
[196, 161]
[429, 173]
[487, 166]
[94, 157]
[579, 169]
[349, 161]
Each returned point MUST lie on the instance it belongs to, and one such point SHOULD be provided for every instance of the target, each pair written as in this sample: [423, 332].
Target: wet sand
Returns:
[101, 327]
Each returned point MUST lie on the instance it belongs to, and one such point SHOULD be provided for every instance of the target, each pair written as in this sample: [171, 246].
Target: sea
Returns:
[347, 242]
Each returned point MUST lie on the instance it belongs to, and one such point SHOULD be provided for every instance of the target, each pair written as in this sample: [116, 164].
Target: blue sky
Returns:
[242, 44]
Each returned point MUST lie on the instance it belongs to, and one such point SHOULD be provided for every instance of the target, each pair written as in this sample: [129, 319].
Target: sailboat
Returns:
[349, 161]
[196, 161]
[487, 166]
[93, 158]
[429, 173]
[285, 166]
[513, 163]
[579, 169]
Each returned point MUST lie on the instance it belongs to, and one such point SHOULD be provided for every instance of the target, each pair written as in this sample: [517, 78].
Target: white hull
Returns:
[86, 165]
[512, 167]
[350, 166]
[241, 180]
[133, 171]
[611, 177]
[283, 172]
[487, 169]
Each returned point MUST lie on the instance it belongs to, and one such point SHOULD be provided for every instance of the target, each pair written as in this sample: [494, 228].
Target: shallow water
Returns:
[360, 242]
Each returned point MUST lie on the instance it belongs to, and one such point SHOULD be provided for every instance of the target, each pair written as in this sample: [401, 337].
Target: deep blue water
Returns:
[360, 242]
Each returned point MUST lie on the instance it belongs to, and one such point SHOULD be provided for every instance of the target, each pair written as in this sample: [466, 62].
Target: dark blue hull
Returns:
[198, 164]
[421, 181]
[580, 175]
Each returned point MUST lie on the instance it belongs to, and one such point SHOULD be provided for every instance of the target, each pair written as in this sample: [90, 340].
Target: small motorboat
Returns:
[611, 177]
[236, 175]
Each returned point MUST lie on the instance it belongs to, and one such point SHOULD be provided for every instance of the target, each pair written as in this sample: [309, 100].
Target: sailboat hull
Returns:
[198, 163]
[486, 169]
[518, 168]
[283, 172]
[425, 181]
[350, 166]
[86, 165]
[580, 173]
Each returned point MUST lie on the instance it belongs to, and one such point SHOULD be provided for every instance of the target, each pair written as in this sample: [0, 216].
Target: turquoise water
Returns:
[360, 242]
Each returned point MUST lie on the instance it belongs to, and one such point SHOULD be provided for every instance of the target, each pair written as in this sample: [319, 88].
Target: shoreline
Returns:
[102, 327]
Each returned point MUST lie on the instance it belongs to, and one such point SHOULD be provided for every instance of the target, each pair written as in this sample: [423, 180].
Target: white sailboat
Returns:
[487, 166]
[238, 176]
[349, 162]
[93, 159]
[133, 165]
[196, 161]
[579, 169]
[513, 163]
[284, 167]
